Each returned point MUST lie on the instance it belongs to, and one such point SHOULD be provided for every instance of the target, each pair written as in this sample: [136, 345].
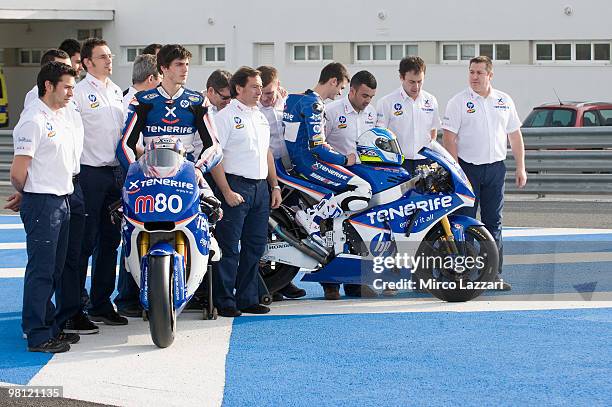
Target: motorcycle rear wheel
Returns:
[162, 315]
[436, 280]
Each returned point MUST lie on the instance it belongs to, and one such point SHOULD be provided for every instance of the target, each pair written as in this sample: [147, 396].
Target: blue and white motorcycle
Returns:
[166, 236]
[408, 236]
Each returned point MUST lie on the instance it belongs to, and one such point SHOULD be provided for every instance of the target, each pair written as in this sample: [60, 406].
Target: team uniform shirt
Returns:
[154, 113]
[344, 125]
[244, 135]
[127, 99]
[72, 113]
[274, 114]
[304, 123]
[482, 125]
[411, 120]
[101, 107]
[47, 137]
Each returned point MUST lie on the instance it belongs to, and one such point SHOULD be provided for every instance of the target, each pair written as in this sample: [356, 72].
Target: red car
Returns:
[570, 114]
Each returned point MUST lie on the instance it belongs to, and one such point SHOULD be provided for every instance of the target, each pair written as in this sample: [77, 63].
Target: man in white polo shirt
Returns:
[410, 112]
[42, 171]
[100, 102]
[477, 125]
[345, 120]
[244, 135]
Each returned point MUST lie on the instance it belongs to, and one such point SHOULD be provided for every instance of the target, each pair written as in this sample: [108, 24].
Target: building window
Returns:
[89, 33]
[28, 56]
[313, 52]
[572, 51]
[213, 53]
[375, 52]
[132, 52]
[467, 51]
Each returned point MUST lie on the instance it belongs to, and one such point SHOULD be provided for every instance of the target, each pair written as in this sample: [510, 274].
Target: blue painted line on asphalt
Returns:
[591, 237]
[558, 357]
[12, 235]
[9, 219]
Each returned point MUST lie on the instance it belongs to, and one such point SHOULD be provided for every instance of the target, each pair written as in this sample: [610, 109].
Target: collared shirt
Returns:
[47, 137]
[101, 107]
[344, 125]
[72, 114]
[411, 120]
[481, 124]
[244, 135]
[274, 114]
[127, 99]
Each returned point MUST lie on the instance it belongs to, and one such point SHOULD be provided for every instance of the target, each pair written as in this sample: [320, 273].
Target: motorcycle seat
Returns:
[309, 188]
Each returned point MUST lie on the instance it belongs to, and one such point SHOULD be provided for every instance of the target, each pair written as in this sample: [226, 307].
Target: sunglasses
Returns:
[223, 97]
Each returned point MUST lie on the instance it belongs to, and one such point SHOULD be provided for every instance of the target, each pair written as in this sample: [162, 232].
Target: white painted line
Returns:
[8, 246]
[430, 304]
[122, 366]
[557, 258]
[553, 232]
[19, 272]
[12, 226]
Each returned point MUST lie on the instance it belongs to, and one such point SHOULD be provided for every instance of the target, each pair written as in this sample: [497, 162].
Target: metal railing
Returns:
[558, 161]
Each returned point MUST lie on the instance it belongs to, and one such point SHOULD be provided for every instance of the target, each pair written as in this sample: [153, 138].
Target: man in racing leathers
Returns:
[316, 160]
[171, 110]
[167, 110]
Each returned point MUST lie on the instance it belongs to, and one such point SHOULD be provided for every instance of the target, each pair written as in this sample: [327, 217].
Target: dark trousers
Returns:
[488, 181]
[45, 219]
[68, 297]
[101, 187]
[242, 235]
[410, 165]
[129, 293]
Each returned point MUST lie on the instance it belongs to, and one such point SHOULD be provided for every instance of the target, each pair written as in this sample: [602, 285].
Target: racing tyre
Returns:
[449, 279]
[277, 275]
[162, 316]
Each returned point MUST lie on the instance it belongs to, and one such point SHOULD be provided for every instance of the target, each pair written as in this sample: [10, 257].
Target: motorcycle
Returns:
[409, 217]
[166, 236]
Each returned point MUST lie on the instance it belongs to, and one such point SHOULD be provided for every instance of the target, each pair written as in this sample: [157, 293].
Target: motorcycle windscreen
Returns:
[434, 151]
[161, 163]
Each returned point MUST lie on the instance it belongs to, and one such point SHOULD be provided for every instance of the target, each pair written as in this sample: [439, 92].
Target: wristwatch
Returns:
[276, 187]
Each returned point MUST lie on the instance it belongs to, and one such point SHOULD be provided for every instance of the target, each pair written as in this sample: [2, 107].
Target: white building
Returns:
[537, 46]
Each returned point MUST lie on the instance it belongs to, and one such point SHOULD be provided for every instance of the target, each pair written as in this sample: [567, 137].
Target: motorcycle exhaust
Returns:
[289, 238]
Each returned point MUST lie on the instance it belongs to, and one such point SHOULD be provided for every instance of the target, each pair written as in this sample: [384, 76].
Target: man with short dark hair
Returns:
[100, 102]
[73, 48]
[217, 90]
[52, 54]
[410, 112]
[478, 124]
[345, 120]
[244, 135]
[316, 160]
[44, 145]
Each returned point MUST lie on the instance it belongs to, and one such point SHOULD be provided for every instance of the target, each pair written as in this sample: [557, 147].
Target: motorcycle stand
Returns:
[210, 311]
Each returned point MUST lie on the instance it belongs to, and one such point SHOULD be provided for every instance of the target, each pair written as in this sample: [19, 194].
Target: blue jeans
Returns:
[488, 181]
[45, 219]
[101, 187]
[242, 235]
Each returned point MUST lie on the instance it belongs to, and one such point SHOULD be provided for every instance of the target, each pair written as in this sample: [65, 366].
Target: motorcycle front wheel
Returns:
[162, 315]
[447, 275]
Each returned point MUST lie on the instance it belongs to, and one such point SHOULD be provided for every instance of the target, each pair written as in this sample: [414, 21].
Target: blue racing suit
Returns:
[316, 160]
[154, 113]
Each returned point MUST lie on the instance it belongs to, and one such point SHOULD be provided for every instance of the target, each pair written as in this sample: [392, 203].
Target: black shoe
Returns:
[277, 297]
[131, 311]
[68, 337]
[332, 292]
[255, 309]
[196, 304]
[502, 285]
[80, 324]
[53, 345]
[292, 291]
[110, 318]
[362, 291]
[229, 312]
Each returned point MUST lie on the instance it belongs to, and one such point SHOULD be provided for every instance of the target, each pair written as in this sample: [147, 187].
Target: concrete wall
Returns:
[242, 23]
